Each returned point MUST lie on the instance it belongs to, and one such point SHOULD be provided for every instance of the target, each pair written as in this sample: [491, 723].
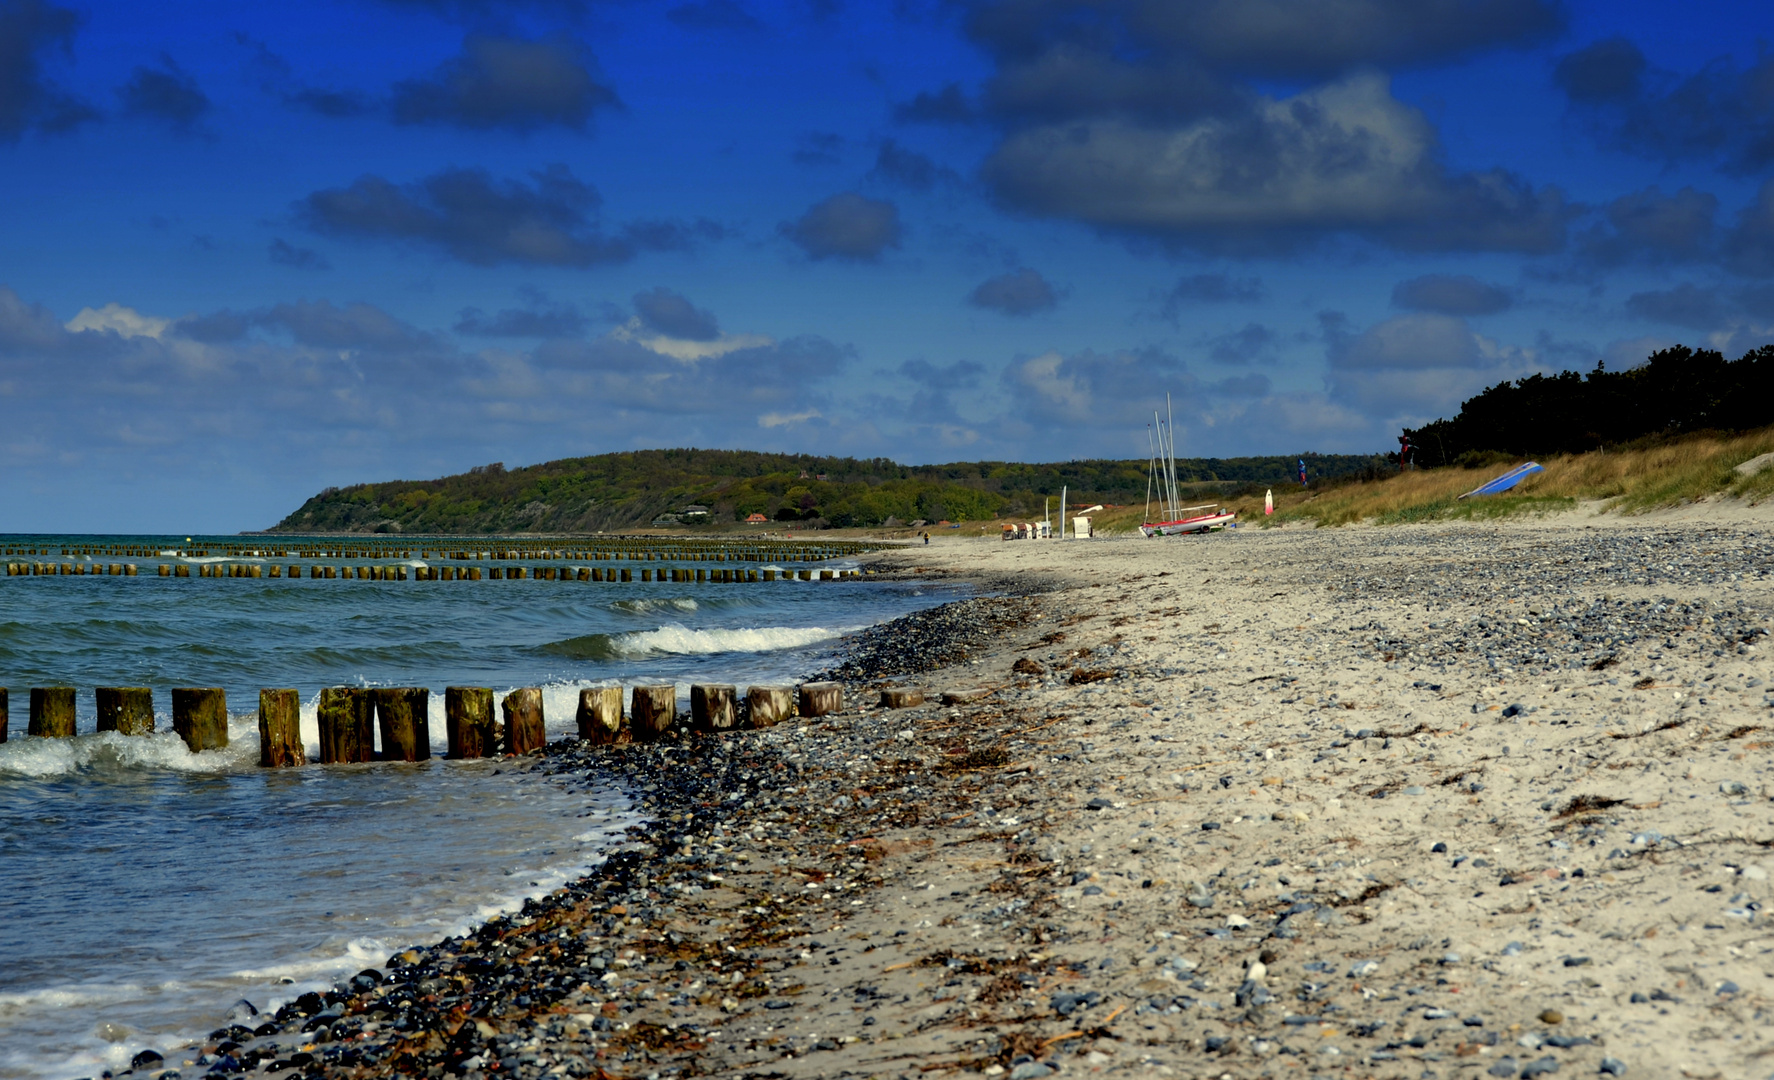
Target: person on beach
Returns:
[926, 539]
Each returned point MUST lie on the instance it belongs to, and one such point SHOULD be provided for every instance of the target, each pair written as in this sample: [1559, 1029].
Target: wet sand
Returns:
[1439, 800]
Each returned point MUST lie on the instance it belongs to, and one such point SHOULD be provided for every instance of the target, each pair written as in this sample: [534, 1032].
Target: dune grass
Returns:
[1647, 475]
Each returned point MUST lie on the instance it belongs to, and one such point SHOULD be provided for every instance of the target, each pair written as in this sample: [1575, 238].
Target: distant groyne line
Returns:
[461, 562]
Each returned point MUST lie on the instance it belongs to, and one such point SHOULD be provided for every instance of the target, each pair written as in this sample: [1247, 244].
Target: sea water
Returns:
[145, 889]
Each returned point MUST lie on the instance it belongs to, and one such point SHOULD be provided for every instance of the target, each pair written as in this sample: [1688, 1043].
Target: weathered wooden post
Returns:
[280, 729]
[200, 716]
[5, 713]
[347, 725]
[652, 710]
[600, 716]
[524, 729]
[52, 712]
[901, 697]
[468, 721]
[769, 705]
[128, 710]
[821, 698]
[402, 715]
[711, 707]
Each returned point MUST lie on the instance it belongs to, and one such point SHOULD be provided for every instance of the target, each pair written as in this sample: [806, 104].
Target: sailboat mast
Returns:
[1170, 424]
[1151, 464]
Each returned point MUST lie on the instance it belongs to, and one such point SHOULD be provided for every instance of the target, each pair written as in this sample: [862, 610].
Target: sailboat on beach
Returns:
[1161, 471]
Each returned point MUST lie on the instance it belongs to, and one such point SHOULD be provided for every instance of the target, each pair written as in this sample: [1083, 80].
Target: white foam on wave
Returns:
[662, 603]
[675, 640]
[165, 750]
[63, 997]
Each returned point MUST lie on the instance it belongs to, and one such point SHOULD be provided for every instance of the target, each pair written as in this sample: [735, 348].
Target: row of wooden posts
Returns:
[604, 550]
[350, 717]
[437, 573]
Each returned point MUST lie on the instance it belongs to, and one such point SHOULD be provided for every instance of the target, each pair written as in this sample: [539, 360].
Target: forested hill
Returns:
[627, 490]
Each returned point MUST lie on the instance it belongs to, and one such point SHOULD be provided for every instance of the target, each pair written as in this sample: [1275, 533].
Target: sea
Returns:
[146, 890]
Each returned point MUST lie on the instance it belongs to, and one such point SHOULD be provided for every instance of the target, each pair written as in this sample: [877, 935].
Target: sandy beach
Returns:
[1422, 801]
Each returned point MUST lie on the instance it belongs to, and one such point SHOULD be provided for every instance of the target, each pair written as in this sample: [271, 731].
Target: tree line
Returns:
[1678, 390]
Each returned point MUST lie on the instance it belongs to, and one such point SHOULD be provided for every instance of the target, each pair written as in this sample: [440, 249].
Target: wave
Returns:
[663, 603]
[108, 751]
[676, 640]
[682, 641]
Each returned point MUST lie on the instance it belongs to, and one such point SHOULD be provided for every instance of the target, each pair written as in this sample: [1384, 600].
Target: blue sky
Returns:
[249, 251]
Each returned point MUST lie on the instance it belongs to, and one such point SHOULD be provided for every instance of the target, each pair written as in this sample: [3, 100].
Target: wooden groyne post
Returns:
[524, 728]
[652, 710]
[128, 710]
[821, 698]
[600, 716]
[280, 729]
[712, 707]
[347, 725]
[468, 721]
[5, 713]
[901, 697]
[200, 716]
[52, 712]
[401, 714]
[769, 705]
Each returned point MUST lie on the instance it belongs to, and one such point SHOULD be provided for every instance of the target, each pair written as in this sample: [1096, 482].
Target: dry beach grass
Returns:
[1651, 475]
[1452, 800]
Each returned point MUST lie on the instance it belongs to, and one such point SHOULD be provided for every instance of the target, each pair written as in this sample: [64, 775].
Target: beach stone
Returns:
[1612, 1066]
[1545, 1066]
[1552, 1016]
[1503, 1067]
[146, 1059]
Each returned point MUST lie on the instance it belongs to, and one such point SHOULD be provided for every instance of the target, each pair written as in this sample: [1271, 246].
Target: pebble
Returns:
[1612, 1066]
[1552, 1016]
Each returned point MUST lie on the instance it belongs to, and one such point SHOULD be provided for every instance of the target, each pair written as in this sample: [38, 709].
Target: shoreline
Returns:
[1450, 798]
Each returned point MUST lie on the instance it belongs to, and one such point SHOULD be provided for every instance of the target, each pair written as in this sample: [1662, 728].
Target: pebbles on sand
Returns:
[1421, 801]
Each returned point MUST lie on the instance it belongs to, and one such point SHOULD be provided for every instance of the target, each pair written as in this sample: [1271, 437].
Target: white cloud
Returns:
[1413, 368]
[683, 349]
[1343, 156]
[776, 419]
[125, 322]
